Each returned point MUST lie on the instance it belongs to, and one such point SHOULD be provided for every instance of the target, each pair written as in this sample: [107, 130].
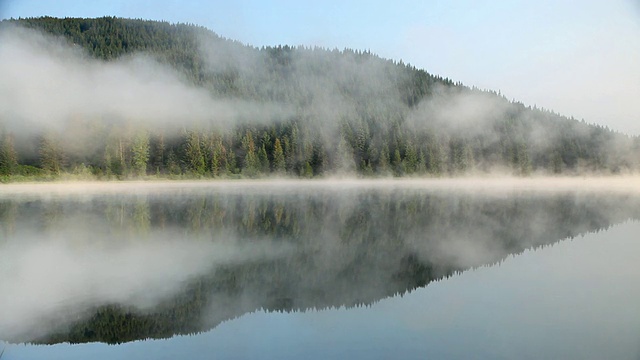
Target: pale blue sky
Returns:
[579, 58]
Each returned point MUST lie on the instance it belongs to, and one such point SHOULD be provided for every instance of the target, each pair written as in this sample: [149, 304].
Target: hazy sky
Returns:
[578, 58]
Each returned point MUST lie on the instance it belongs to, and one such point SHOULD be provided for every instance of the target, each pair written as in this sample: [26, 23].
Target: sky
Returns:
[577, 58]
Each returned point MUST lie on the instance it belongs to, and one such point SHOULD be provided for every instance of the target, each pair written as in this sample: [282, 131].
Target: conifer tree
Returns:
[51, 155]
[8, 156]
[251, 164]
[194, 154]
[278, 157]
[140, 153]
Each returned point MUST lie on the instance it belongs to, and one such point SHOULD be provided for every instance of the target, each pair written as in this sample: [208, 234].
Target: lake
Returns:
[369, 269]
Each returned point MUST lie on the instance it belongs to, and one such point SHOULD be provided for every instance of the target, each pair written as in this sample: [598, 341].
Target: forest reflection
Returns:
[166, 263]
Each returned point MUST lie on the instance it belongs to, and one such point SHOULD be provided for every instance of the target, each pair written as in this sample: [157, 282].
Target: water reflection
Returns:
[121, 267]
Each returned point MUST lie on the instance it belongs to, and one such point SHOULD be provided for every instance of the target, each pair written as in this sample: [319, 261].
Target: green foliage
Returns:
[398, 165]
[231, 163]
[278, 158]
[8, 156]
[29, 171]
[251, 162]
[140, 153]
[173, 166]
[193, 154]
[263, 159]
[410, 161]
[51, 154]
[373, 136]
[383, 164]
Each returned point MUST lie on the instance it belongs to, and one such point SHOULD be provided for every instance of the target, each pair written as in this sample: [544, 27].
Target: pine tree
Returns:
[345, 162]
[524, 163]
[410, 161]
[194, 154]
[51, 155]
[278, 158]
[140, 153]
[251, 165]
[292, 151]
[158, 157]
[421, 168]
[108, 171]
[8, 157]
[263, 159]
[437, 156]
[383, 163]
[556, 162]
[173, 167]
[307, 170]
[231, 163]
[120, 160]
[289, 157]
[398, 165]
[218, 158]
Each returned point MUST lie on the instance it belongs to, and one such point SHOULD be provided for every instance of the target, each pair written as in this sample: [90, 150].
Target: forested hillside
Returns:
[236, 110]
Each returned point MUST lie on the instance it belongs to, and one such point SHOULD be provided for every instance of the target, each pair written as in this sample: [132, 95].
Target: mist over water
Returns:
[186, 102]
[73, 257]
[121, 262]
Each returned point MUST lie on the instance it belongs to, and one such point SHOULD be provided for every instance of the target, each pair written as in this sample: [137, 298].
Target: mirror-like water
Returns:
[327, 271]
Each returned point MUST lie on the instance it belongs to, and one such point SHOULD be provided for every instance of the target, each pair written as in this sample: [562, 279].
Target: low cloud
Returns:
[47, 84]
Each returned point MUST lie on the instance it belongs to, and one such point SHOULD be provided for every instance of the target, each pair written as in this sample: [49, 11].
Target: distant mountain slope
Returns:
[179, 99]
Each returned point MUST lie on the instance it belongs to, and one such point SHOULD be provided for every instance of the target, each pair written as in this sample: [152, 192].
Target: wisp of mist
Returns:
[53, 278]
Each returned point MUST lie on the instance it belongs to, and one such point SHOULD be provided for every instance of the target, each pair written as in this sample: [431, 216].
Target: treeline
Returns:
[353, 113]
[285, 150]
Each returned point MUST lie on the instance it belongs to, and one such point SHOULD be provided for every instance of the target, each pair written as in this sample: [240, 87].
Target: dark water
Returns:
[320, 272]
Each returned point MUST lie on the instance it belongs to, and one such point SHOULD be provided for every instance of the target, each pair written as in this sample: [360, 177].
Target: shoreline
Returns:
[621, 183]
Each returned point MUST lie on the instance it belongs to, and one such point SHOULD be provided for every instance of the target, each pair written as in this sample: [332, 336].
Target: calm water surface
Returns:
[320, 271]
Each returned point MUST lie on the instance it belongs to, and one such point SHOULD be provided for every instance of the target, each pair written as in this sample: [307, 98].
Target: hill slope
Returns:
[122, 97]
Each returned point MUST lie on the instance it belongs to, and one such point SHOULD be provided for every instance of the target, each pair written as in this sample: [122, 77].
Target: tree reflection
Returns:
[351, 248]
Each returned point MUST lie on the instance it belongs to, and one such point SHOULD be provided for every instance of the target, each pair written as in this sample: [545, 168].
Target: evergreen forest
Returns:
[295, 111]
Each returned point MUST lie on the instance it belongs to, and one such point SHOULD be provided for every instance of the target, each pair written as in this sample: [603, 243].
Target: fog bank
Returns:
[49, 85]
[489, 184]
